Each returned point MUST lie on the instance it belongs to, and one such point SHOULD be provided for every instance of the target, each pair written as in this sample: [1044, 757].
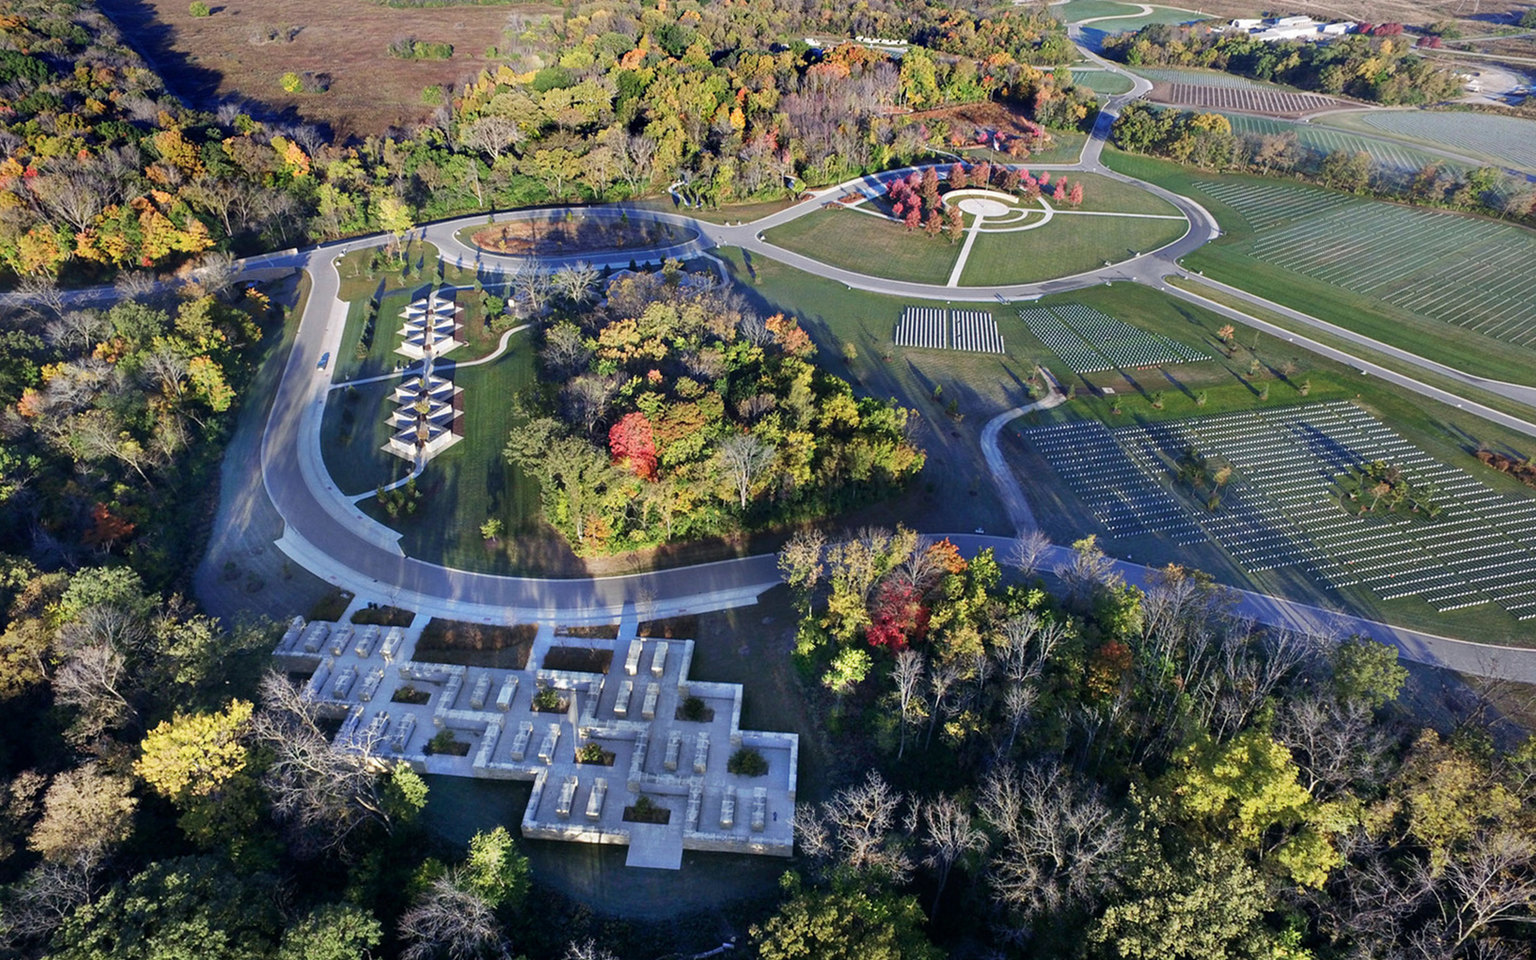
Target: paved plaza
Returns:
[628, 702]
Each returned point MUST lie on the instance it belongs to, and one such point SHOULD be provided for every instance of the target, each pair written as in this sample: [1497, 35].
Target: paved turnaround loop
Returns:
[325, 533]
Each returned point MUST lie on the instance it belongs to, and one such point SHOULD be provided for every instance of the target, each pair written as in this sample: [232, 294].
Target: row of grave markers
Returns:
[940, 328]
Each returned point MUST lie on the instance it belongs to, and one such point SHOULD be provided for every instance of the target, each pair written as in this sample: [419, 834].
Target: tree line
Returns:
[1207, 140]
[1378, 67]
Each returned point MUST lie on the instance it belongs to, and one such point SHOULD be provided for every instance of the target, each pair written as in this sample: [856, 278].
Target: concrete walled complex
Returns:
[633, 713]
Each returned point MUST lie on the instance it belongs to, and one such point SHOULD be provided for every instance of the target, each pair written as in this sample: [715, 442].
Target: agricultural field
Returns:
[1458, 270]
[1508, 140]
[245, 47]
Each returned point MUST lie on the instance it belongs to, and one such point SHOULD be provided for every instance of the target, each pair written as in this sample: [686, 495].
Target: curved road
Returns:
[325, 532]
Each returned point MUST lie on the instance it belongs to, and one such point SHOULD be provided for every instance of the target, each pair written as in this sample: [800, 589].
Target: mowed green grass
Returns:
[1104, 82]
[866, 244]
[1230, 260]
[1066, 246]
[1070, 244]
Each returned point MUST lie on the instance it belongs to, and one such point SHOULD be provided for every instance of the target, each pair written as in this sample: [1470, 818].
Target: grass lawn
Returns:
[1066, 246]
[953, 491]
[1450, 435]
[1076, 10]
[468, 483]
[1103, 82]
[1101, 194]
[867, 244]
[1228, 259]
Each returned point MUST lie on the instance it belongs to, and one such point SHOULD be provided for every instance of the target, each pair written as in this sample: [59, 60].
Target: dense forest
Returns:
[1103, 771]
[1381, 69]
[105, 171]
[675, 412]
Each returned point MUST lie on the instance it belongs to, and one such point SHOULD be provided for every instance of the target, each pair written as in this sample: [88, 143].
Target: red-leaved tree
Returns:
[897, 618]
[632, 442]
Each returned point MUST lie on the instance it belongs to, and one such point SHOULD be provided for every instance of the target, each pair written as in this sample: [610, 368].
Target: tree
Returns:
[843, 924]
[87, 813]
[195, 755]
[1029, 552]
[332, 932]
[446, 920]
[948, 835]
[491, 134]
[1061, 843]
[185, 907]
[744, 459]
[908, 675]
[1207, 906]
[394, 215]
[802, 565]
[575, 282]
[1366, 672]
[633, 445]
[848, 669]
[494, 870]
[324, 793]
[853, 833]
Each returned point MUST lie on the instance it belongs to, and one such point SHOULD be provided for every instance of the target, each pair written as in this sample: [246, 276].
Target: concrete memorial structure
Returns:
[653, 776]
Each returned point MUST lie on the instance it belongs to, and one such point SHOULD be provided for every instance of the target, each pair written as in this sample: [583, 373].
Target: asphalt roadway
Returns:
[325, 533]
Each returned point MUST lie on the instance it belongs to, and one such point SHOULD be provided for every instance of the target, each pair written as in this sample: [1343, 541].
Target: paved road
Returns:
[325, 533]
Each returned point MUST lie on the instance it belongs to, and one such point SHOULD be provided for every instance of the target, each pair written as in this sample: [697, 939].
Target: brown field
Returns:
[208, 59]
[557, 237]
[1272, 103]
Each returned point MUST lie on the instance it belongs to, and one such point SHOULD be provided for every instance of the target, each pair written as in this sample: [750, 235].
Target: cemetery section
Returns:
[1280, 488]
[621, 746]
[1089, 341]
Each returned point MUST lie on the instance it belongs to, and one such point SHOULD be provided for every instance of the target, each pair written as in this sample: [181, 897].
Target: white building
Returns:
[634, 711]
[1271, 29]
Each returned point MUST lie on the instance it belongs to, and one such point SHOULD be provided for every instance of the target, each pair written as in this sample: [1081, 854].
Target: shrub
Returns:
[693, 709]
[409, 48]
[292, 82]
[443, 742]
[547, 699]
[200, 9]
[747, 762]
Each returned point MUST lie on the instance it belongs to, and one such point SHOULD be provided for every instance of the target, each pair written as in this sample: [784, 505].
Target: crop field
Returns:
[1246, 99]
[1508, 139]
[1459, 270]
[1283, 504]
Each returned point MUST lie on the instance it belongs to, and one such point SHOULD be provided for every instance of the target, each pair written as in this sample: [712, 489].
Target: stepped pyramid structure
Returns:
[432, 327]
[428, 413]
